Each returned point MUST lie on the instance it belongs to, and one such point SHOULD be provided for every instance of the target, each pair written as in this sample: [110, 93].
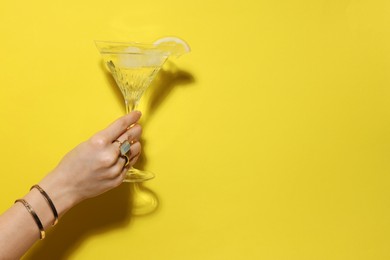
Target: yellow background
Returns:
[272, 140]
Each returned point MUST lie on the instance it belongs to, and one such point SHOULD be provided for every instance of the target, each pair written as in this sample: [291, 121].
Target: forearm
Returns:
[18, 232]
[18, 229]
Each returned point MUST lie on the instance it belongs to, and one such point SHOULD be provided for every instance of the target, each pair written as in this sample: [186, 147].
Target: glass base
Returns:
[135, 175]
[144, 202]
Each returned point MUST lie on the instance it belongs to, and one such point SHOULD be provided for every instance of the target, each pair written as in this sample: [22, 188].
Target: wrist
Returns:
[59, 191]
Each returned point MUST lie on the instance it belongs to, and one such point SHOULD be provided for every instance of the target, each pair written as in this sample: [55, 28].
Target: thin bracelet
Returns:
[49, 201]
[35, 216]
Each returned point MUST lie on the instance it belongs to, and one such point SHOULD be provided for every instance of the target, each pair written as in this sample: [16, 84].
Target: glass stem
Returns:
[130, 106]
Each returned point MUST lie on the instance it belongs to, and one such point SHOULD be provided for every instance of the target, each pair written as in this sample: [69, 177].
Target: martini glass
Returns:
[134, 66]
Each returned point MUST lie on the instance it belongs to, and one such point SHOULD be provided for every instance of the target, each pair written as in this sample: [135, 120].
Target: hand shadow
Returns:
[91, 217]
[115, 208]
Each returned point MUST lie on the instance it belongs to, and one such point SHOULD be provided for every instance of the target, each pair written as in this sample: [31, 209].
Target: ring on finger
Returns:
[124, 147]
[117, 141]
[130, 126]
[127, 160]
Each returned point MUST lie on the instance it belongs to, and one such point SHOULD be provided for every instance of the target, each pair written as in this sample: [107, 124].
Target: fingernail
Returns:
[139, 112]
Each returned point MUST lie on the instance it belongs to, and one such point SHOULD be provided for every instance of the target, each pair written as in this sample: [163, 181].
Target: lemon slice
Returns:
[174, 45]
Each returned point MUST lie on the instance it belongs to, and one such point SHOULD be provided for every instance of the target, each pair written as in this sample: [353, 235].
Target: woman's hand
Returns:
[94, 166]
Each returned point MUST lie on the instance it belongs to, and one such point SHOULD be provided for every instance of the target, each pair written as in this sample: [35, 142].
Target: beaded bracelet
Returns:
[35, 217]
[49, 201]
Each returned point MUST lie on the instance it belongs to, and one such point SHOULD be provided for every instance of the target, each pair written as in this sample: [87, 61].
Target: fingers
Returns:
[119, 170]
[132, 135]
[135, 151]
[120, 178]
[108, 142]
[134, 159]
[117, 128]
[122, 174]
